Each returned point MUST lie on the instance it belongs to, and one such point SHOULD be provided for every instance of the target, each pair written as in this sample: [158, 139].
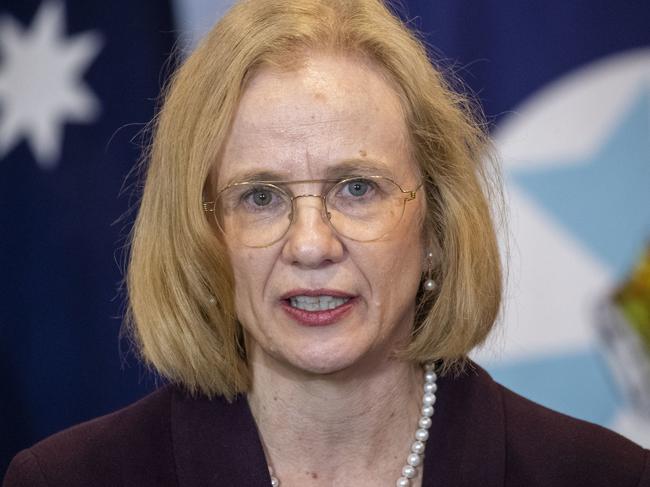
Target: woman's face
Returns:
[308, 124]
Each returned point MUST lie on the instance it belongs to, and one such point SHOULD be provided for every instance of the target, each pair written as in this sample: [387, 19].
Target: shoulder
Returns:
[102, 451]
[544, 447]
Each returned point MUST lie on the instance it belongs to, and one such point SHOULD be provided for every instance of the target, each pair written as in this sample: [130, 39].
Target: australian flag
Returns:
[78, 82]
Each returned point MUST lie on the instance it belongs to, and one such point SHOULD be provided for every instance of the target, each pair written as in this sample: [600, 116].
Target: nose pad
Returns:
[326, 216]
[311, 242]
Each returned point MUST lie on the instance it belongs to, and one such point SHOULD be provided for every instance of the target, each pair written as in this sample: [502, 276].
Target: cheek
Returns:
[395, 271]
[252, 269]
[245, 271]
[411, 253]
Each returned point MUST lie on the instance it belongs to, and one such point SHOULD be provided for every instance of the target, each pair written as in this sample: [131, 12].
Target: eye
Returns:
[259, 196]
[358, 187]
[262, 197]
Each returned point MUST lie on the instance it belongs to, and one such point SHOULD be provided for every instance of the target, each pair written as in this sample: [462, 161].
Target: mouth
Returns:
[317, 303]
[317, 307]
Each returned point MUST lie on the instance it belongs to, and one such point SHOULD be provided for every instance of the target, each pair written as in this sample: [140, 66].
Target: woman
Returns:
[314, 247]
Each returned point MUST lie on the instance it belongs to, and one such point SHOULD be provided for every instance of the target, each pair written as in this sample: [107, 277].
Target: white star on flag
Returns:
[41, 85]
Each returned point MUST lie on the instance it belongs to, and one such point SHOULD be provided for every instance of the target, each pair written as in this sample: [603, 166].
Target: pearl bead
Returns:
[427, 411]
[429, 399]
[417, 447]
[425, 422]
[409, 471]
[274, 482]
[403, 482]
[430, 376]
[422, 435]
[429, 285]
[430, 387]
[413, 459]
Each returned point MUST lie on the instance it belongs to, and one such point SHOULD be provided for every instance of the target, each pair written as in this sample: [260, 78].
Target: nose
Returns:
[311, 242]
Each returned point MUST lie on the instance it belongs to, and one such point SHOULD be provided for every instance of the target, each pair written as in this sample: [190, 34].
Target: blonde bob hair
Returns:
[180, 284]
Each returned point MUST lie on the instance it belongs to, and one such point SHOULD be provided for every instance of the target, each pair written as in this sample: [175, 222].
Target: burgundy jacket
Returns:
[483, 435]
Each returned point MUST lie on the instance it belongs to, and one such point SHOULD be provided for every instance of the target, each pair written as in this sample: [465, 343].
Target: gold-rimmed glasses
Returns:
[259, 213]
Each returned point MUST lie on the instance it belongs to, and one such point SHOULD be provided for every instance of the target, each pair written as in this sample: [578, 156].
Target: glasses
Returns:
[259, 213]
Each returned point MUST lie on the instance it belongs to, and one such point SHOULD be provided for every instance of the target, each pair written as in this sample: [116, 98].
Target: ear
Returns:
[431, 252]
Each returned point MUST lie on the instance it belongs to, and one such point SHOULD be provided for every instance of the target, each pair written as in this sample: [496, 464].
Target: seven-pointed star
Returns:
[41, 85]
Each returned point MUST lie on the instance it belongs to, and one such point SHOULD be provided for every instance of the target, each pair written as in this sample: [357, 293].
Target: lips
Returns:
[317, 307]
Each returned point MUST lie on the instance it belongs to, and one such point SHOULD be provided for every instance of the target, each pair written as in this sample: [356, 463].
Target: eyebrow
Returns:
[358, 167]
[343, 169]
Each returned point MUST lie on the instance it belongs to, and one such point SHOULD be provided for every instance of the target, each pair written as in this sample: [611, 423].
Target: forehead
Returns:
[300, 123]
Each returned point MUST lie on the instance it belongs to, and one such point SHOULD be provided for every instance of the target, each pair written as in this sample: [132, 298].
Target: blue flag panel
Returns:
[78, 80]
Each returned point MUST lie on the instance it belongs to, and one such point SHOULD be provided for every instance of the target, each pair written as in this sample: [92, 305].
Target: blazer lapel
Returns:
[216, 443]
[466, 445]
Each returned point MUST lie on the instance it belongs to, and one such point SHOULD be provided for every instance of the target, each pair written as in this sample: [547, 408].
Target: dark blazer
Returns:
[482, 435]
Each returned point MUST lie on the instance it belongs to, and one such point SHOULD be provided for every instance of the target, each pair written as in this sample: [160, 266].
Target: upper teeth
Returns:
[317, 303]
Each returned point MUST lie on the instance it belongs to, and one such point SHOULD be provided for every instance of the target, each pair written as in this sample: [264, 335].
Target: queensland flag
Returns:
[78, 82]
[566, 90]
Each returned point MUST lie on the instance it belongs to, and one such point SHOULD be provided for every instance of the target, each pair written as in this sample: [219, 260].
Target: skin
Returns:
[350, 402]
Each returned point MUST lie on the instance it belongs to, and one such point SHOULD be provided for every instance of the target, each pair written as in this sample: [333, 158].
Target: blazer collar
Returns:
[216, 443]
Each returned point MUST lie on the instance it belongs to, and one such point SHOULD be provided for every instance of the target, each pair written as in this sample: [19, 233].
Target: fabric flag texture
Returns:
[566, 88]
[78, 81]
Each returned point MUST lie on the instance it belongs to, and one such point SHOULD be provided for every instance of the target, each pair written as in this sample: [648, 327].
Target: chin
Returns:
[325, 360]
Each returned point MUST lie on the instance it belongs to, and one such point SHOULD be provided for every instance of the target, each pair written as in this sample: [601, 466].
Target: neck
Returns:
[348, 427]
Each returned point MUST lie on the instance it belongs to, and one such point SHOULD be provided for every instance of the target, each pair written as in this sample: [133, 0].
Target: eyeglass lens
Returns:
[259, 214]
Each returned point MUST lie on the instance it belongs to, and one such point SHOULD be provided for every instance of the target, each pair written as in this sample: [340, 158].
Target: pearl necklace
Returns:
[414, 458]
